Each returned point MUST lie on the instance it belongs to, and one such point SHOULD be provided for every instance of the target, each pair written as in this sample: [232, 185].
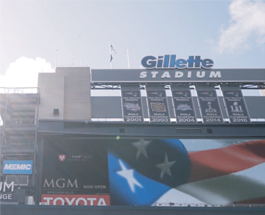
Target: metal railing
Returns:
[19, 90]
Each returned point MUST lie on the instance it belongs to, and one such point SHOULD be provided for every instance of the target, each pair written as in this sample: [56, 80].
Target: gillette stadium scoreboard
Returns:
[183, 96]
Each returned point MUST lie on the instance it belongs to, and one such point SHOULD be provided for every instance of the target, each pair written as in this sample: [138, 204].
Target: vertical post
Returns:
[56, 59]
[110, 54]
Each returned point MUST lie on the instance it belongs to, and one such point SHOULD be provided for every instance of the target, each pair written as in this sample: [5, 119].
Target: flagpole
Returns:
[128, 59]
[56, 59]
[110, 55]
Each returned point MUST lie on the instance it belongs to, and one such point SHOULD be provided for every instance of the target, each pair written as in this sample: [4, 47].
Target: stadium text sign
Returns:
[180, 74]
[174, 75]
[170, 61]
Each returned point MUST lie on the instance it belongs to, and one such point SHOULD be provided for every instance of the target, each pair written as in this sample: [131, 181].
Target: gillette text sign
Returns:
[171, 61]
[170, 69]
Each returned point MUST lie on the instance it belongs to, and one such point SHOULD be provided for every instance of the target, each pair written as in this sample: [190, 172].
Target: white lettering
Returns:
[74, 200]
[101, 202]
[143, 75]
[154, 74]
[7, 166]
[74, 184]
[179, 74]
[215, 74]
[5, 196]
[200, 74]
[17, 167]
[48, 184]
[61, 183]
[57, 183]
[189, 74]
[60, 199]
[48, 199]
[81, 199]
[91, 200]
[69, 202]
[166, 75]
[8, 186]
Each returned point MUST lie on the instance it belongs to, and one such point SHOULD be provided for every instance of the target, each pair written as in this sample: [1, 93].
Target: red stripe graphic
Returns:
[223, 161]
[253, 201]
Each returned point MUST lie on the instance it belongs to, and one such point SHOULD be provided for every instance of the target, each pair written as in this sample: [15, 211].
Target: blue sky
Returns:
[35, 36]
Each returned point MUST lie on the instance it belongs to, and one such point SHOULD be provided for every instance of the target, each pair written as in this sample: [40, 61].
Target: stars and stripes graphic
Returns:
[214, 172]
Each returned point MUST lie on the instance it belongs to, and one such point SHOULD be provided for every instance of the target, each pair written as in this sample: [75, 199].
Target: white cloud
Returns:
[24, 72]
[247, 22]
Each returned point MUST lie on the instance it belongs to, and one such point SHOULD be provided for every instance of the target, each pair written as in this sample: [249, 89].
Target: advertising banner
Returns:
[157, 103]
[7, 191]
[152, 172]
[184, 108]
[209, 105]
[132, 106]
[236, 107]
[76, 200]
[75, 172]
[20, 167]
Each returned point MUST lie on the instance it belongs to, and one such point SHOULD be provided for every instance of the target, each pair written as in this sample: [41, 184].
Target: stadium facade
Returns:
[185, 139]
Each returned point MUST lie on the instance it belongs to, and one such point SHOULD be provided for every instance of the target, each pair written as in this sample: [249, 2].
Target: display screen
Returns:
[151, 172]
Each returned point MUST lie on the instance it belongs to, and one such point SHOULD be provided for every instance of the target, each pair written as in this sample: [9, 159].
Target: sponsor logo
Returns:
[132, 106]
[61, 183]
[84, 200]
[170, 61]
[78, 157]
[61, 157]
[17, 167]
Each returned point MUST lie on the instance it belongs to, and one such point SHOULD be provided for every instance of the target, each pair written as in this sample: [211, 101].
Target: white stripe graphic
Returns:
[177, 197]
[194, 145]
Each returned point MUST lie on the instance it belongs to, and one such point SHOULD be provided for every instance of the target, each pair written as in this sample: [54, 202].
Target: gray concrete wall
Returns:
[51, 95]
[77, 101]
[67, 90]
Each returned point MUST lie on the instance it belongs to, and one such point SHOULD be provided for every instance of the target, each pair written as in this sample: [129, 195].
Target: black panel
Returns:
[235, 105]
[106, 107]
[256, 106]
[209, 104]
[131, 102]
[184, 108]
[157, 102]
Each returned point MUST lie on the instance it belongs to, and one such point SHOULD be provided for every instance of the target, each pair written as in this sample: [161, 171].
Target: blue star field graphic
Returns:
[140, 171]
